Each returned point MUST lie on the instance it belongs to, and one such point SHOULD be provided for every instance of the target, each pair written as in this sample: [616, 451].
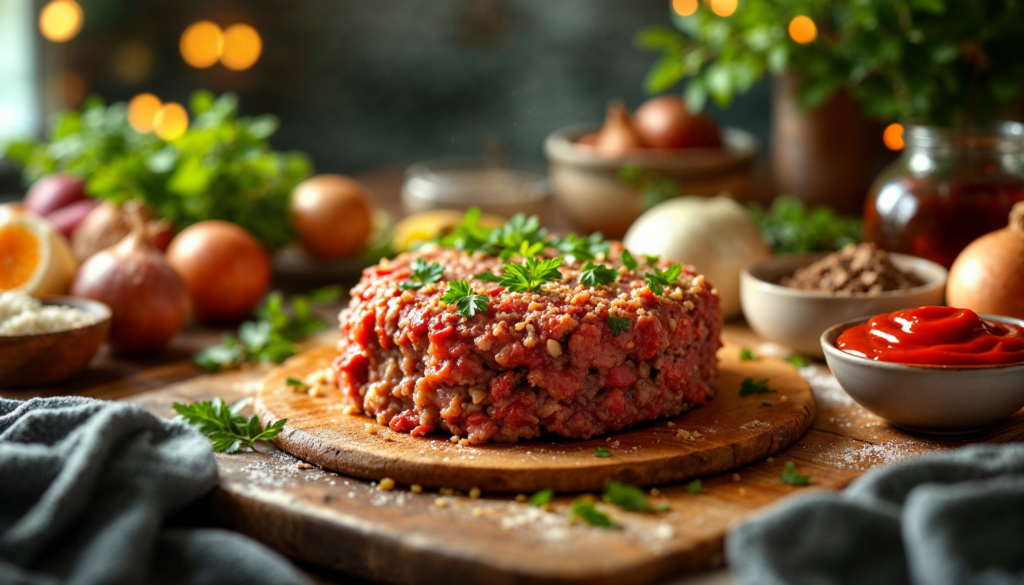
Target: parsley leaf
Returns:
[422, 273]
[651, 260]
[618, 325]
[659, 278]
[531, 274]
[629, 261]
[628, 497]
[798, 361]
[469, 236]
[694, 487]
[542, 497]
[487, 276]
[587, 512]
[576, 248]
[228, 430]
[749, 386]
[295, 382]
[748, 354]
[521, 235]
[790, 475]
[466, 300]
[599, 452]
[598, 274]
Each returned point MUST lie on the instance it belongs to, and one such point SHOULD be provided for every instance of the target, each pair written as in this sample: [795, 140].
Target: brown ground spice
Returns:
[857, 268]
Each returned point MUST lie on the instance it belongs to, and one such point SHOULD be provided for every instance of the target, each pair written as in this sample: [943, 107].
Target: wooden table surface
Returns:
[844, 441]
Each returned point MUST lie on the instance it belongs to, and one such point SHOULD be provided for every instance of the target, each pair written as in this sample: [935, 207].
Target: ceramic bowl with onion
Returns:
[47, 357]
[797, 318]
[593, 197]
[928, 399]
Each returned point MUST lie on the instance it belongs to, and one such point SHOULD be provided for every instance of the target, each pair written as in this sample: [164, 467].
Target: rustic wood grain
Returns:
[733, 430]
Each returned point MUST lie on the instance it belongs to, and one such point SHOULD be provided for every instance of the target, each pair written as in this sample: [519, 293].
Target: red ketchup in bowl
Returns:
[935, 336]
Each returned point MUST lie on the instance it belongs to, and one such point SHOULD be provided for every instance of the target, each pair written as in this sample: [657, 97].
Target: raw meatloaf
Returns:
[534, 362]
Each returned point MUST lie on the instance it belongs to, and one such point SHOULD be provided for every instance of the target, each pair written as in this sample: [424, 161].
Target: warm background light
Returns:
[802, 29]
[171, 121]
[242, 47]
[132, 62]
[684, 7]
[60, 20]
[142, 111]
[893, 136]
[202, 44]
[724, 7]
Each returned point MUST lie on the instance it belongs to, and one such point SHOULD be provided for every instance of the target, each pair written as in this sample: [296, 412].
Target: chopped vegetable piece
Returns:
[599, 452]
[749, 386]
[748, 354]
[466, 300]
[790, 475]
[542, 497]
[618, 325]
[587, 512]
[295, 382]
[694, 487]
[629, 261]
[765, 403]
[629, 497]
[798, 360]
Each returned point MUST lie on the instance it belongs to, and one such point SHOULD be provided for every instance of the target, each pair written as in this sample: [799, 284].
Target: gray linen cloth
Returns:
[951, 518]
[86, 487]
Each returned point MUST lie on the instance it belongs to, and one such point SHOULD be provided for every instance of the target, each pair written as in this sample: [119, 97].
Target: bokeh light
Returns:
[724, 8]
[893, 136]
[132, 62]
[61, 20]
[202, 44]
[242, 47]
[171, 121]
[684, 7]
[142, 111]
[802, 29]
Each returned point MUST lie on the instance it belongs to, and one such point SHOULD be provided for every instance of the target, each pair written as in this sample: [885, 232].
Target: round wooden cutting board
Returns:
[728, 432]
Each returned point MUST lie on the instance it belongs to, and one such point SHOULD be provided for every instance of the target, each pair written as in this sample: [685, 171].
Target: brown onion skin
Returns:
[988, 276]
[224, 267]
[108, 224]
[333, 215]
[664, 122]
[617, 137]
[148, 299]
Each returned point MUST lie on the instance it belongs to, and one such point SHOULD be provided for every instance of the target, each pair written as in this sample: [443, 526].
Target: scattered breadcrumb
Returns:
[386, 484]
[416, 488]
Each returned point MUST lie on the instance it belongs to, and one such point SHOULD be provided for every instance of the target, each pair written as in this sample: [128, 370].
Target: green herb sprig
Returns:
[587, 512]
[618, 325]
[797, 360]
[749, 386]
[422, 273]
[694, 487]
[790, 227]
[747, 354]
[629, 497]
[656, 279]
[542, 497]
[792, 477]
[271, 338]
[228, 430]
[598, 274]
[531, 274]
[629, 261]
[601, 452]
[466, 300]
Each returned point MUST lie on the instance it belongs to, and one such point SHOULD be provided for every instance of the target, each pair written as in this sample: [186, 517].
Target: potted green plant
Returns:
[838, 63]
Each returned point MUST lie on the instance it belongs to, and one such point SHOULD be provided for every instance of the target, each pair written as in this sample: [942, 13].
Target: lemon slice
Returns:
[34, 258]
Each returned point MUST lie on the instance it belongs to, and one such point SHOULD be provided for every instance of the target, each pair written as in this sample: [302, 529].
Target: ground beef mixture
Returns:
[533, 362]
[857, 268]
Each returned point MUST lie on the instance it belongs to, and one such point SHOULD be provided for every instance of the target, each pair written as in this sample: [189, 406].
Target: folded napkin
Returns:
[86, 487]
[951, 518]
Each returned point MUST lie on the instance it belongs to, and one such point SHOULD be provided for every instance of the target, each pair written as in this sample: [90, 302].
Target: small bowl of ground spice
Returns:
[792, 300]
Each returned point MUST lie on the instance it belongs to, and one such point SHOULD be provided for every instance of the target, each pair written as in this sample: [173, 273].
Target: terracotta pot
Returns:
[825, 156]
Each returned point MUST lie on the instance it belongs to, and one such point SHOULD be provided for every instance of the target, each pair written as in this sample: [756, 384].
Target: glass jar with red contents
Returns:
[947, 188]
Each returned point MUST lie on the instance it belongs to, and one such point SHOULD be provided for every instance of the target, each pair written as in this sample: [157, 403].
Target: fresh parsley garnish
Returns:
[798, 361]
[694, 487]
[542, 497]
[629, 497]
[629, 261]
[586, 511]
[748, 354]
[422, 273]
[618, 325]
[531, 274]
[651, 260]
[749, 386]
[598, 274]
[295, 382]
[576, 248]
[271, 338]
[656, 279]
[521, 235]
[469, 236]
[228, 430]
[487, 276]
[599, 452]
[765, 403]
[466, 300]
[790, 475]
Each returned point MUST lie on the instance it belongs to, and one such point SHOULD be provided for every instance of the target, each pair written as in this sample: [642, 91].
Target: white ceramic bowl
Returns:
[593, 198]
[928, 399]
[797, 318]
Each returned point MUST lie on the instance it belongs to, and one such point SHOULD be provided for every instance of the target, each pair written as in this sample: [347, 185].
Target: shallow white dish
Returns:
[797, 318]
[928, 399]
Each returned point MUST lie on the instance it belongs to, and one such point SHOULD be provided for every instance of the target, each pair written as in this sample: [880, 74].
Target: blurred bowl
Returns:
[463, 183]
[928, 399]
[797, 318]
[46, 357]
[593, 197]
